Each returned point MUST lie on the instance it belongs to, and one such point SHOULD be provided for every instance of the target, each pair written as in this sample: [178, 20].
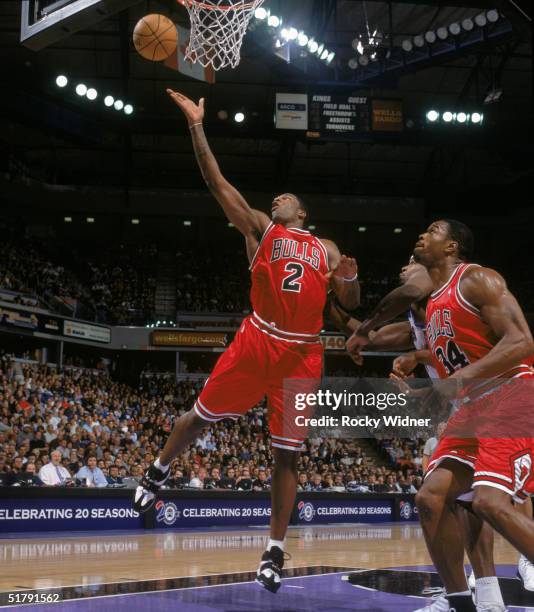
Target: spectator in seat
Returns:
[261, 483]
[53, 474]
[303, 484]
[229, 481]
[91, 474]
[244, 482]
[114, 478]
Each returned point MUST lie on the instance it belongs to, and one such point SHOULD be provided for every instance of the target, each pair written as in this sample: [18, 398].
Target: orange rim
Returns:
[212, 7]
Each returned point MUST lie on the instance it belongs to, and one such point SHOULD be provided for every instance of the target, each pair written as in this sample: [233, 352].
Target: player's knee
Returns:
[429, 502]
[285, 458]
[491, 505]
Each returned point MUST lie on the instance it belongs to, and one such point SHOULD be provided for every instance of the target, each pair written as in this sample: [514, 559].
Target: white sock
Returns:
[279, 543]
[487, 590]
[160, 466]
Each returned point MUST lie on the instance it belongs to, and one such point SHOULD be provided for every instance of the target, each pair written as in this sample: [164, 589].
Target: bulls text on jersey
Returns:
[286, 248]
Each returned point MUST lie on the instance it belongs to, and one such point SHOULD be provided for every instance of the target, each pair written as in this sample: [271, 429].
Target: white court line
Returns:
[358, 586]
[293, 586]
[207, 586]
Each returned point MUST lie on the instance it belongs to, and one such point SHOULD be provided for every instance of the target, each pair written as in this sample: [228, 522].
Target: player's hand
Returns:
[346, 268]
[354, 347]
[194, 113]
[404, 365]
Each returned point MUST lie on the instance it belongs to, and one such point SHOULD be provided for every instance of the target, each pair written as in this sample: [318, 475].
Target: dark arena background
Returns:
[122, 283]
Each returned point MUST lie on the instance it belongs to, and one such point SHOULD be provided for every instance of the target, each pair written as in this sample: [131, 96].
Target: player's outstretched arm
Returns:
[486, 290]
[247, 220]
[416, 288]
[343, 276]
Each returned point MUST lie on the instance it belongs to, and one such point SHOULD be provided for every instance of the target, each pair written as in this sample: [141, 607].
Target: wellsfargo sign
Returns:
[189, 338]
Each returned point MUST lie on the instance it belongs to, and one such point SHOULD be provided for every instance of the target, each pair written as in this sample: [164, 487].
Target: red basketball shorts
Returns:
[502, 453]
[257, 364]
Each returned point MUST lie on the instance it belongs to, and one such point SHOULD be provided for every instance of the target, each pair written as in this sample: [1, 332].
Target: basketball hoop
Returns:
[217, 30]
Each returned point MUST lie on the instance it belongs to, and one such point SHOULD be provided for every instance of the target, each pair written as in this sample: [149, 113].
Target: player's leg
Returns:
[298, 369]
[495, 506]
[283, 494]
[525, 569]
[234, 387]
[283, 490]
[479, 539]
[436, 503]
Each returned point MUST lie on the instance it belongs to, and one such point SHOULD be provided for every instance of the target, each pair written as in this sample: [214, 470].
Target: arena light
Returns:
[293, 33]
[397, 230]
[92, 94]
[239, 117]
[136, 221]
[284, 33]
[81, 89]
[187, 223]
[109, 100]
[325, 54]
[442, 33]
[468, 24]
[330, 57]
[128, 109]
[432, 116]
[313, 46]
[312, 228]
[260, 13]
[481, 20]
[448, 116]
[320, 49]
[363, 60]
[430, 37]
[231, 225]
[302, 39]
[477, 118]
[362, 229]
[419, 41]
[357, 45]
[492, 16]
[274, 21]
[407, 45]
[462, 117]
[353, 63]
[90, 219]
[118, 105]
[67, 219]
[62, 81]
[454, 28]
[222, 115]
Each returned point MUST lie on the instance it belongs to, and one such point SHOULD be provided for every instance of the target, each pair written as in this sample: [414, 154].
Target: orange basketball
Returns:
[155, 37]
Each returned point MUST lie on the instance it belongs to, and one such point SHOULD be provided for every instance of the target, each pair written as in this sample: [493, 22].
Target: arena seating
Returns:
[81, 412]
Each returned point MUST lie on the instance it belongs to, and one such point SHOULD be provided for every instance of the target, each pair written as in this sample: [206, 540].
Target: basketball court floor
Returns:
[343, 567]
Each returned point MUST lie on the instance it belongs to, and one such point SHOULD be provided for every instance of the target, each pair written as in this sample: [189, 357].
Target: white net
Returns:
[217, 30]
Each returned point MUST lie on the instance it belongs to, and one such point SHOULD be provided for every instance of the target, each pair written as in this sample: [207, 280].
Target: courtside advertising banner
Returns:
[71, 514]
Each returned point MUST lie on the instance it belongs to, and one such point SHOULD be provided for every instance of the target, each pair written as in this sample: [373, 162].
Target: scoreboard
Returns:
[338, 115]
[330, 116]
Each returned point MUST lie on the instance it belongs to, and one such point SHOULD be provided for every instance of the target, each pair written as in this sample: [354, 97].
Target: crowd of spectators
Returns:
[79, 426]
[115, 286]
[122, 281]
[215, 282]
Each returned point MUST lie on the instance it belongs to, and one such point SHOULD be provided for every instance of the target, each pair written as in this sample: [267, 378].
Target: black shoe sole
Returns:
[143, 509]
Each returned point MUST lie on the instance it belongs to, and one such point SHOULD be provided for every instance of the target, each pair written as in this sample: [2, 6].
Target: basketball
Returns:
[155, 37]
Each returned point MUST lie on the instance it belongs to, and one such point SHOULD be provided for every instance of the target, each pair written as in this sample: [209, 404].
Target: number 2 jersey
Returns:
[289, 283]
[455, 332]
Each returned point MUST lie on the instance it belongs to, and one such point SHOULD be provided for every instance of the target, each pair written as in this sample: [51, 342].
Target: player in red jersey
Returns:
[480, 342]
[291, 272]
